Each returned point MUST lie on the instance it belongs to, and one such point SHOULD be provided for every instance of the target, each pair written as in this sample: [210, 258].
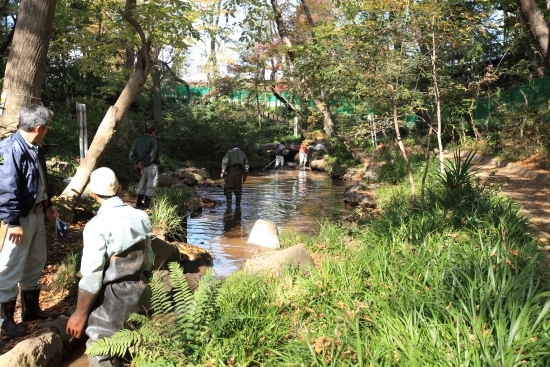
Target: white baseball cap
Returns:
[103, 182]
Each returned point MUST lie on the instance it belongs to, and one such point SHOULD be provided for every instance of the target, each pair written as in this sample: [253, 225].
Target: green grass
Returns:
[168, 210]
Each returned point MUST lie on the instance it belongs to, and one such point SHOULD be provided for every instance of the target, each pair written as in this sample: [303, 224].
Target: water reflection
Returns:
[232, 222]
[294, 200]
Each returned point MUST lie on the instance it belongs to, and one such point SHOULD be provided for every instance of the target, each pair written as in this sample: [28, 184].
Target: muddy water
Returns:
[296, 201]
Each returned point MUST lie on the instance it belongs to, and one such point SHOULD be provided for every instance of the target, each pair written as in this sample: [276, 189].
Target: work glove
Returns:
[222, 174]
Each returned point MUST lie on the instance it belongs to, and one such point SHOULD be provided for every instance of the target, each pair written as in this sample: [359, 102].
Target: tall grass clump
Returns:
[179, 197]
[168, 211]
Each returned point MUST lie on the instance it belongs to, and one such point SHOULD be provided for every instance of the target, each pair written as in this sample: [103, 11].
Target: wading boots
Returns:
[139, 201]
[9, 327]
[30, 310]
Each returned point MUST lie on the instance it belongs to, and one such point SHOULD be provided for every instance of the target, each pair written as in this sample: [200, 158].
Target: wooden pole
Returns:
[270, 164]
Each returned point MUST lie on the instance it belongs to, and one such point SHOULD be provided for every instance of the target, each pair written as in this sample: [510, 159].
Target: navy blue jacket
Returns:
[19, 178]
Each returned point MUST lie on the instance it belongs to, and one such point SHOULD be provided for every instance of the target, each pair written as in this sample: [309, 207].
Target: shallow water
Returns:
[296, 201]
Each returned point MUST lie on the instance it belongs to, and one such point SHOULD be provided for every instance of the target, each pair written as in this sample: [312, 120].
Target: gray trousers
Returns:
[21, 265]
[149, 180]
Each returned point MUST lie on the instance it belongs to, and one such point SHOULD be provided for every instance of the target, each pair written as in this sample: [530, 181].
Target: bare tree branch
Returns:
[177, 78]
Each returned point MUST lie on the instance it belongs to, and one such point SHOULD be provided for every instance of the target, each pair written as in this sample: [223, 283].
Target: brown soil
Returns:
[527, 183]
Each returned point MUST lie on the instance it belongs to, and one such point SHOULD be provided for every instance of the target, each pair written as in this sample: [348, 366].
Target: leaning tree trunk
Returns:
[27, 60]
[537, 25]
[69, 197]
[157, 95]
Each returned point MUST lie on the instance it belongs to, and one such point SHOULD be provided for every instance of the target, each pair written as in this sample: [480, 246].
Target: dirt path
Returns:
[525, 184]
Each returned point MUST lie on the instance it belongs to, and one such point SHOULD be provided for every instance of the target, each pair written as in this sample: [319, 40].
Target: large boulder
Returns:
[59, 326]
[189, 176]
[203, 172]
[167, 180]
[44, 350]
[318, 165]
[264, 234]
[358, 195]
[275, 262]
[190, 256]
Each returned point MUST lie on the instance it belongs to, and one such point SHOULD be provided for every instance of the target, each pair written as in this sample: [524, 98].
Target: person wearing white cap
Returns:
[116, 257]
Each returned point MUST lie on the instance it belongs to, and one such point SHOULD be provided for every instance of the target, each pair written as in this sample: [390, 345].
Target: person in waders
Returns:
[234, 172]
[116, 259]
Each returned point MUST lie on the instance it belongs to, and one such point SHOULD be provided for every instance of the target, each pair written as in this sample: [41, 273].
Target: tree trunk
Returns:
[319, 98]
[328, 124]
[27, 60]
[437, 100]
[537, 25]
[69, 198]
[402, 149]
[157, 97]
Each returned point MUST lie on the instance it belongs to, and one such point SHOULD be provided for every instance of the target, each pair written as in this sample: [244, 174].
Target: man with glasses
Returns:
[24, 202]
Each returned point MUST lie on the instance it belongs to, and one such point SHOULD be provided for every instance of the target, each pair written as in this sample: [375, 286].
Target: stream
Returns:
[296, 201]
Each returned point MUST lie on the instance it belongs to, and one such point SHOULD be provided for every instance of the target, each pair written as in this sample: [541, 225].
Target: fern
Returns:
[179, 325]
[116, 345]
[160, 299]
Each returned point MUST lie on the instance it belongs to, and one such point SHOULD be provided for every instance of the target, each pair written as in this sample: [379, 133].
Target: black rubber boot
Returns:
[139, 201]
[238, 203]
[147, 202]
[229, 200]
[30, 310]
[9, 327]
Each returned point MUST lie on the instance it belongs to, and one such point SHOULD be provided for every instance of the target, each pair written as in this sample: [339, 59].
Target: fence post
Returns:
[82, 129]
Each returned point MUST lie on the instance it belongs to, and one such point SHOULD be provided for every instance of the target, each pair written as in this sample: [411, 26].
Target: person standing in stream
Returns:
[234, 170]
[279, 155]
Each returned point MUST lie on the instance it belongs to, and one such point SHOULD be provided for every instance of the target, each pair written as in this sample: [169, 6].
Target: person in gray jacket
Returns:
[280, 155]
[144, 157]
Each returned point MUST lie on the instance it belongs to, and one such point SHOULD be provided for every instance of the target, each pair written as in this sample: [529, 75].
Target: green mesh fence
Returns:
[534, 95]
